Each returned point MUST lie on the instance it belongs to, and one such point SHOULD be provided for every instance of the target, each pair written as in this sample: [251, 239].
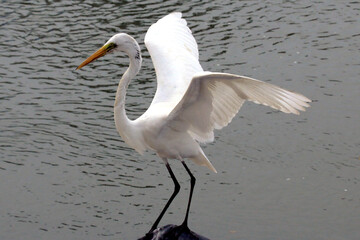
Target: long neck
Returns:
[124, 125]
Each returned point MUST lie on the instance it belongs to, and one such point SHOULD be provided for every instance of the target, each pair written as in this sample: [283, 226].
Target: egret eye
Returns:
[110, 46]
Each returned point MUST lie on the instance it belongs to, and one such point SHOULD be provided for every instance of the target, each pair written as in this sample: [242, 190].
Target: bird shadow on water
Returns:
[173, 232]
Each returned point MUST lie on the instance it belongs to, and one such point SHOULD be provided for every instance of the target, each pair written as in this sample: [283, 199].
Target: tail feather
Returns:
[202, 160]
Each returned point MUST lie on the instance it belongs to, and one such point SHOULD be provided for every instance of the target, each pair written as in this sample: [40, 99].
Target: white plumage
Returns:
[197, 102]
[175, 56]
[189, 102]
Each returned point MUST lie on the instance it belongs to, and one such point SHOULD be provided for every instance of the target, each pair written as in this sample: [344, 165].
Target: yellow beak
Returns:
[99, 53]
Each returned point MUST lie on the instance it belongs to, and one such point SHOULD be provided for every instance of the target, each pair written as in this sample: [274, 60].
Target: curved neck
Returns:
[129, 74]
[123, 124]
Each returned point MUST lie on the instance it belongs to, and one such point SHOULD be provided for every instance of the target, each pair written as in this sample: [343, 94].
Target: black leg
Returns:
[192, 184]
[176, 190]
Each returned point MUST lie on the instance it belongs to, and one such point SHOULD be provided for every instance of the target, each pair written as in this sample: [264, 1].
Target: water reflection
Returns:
[65, 173]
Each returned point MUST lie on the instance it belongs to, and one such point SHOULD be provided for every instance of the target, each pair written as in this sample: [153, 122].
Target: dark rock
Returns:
[173, 232]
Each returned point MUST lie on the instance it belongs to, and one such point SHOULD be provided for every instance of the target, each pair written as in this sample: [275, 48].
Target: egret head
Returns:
[120, 42]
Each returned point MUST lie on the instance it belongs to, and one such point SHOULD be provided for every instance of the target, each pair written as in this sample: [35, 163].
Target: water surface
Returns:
[66, 174]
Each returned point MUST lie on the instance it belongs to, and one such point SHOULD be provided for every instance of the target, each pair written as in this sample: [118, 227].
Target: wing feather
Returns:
[201, 101]
[213, 99]
[174, 53]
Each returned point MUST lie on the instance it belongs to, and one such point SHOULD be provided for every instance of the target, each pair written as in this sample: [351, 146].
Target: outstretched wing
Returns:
[174, 53]
[200, 101]
[213, 99]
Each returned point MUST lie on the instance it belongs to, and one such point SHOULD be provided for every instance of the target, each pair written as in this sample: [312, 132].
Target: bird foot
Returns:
[173, 232]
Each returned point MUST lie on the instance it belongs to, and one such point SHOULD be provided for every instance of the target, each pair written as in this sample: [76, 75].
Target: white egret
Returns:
[189, 102]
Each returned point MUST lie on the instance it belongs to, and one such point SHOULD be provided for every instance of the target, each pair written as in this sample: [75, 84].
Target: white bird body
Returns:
[189, 102]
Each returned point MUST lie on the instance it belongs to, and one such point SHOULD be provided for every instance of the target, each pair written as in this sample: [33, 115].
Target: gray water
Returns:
[65, 173]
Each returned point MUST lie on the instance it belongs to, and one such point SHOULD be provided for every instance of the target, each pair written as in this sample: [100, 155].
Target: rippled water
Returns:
[66, 174]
